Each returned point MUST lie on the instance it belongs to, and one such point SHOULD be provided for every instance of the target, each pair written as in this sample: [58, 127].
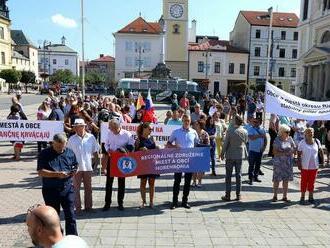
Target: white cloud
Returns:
[64, 21]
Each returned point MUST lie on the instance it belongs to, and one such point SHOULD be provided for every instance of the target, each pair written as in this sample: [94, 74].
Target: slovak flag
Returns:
[149, 114]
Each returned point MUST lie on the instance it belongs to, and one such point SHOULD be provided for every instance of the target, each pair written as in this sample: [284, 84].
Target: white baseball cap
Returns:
[79, 122]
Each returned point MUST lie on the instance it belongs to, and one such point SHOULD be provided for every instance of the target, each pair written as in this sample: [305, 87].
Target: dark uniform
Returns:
[59, 192]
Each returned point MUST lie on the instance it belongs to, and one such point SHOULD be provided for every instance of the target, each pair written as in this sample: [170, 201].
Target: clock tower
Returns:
[175, 14]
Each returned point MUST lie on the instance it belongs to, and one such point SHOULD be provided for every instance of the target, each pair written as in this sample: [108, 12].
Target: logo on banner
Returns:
[127, 165]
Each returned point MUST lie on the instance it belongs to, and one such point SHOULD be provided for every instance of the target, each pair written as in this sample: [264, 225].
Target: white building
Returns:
[55, 57]
[139, 48]
[218, 66]
[251, 32]
[313, 80]
[25, 54]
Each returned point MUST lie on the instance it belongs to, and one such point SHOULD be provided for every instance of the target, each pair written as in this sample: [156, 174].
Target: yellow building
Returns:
[175, 14]
[5, 41]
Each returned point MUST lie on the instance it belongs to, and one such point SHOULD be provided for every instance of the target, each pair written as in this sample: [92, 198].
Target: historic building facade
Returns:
[313, 80]
[251, 32]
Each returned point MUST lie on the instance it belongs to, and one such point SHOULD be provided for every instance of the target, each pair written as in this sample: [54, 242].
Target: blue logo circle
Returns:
[127, 165]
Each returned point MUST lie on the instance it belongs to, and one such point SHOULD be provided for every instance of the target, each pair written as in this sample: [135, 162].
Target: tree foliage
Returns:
[28, 77]
[64, 76]
[11, 76]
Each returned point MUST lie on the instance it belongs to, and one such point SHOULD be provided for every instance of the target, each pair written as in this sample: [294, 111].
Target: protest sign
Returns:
[160, 132]
[23, 130]
[160, 161]
[284, 104]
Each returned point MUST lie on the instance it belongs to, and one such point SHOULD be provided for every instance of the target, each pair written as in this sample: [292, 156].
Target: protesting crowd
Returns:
[231, 127]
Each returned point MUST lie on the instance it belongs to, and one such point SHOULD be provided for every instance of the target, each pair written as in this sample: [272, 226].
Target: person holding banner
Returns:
[184, 137]
[122, 141]
[283, 149]
[234, 149]
[18, 145]
[308, 164]
[145, 142]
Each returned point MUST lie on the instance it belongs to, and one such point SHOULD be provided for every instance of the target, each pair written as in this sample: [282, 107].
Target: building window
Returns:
[258, 34]
[257, 51]
[281, 72]
[293, 72]
[242, 69]
[326, 4]
[305, 10]
[54, 62]
[217, 66]
[282, 53]
[283, 35]
[326, 36]
[129, 46]
[176, 29]
[200, 66]
[256, 71]
[295, 36]
[3, 58]
[147, 46]
[129, 61]
[294, 53]
[66, 62]
[231, 68]
[2, 33]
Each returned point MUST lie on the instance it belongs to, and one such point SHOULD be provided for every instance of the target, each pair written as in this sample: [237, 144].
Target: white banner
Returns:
[284, 104]
[161, 133]
[19, 130]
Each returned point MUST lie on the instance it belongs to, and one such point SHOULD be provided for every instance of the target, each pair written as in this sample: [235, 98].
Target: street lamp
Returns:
[82, 49]
[139, 50]
[270, 13]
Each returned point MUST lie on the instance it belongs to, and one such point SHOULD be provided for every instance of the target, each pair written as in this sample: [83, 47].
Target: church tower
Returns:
[175, 14]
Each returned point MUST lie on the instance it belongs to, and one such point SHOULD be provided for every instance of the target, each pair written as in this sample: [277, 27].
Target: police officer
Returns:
[57, 165]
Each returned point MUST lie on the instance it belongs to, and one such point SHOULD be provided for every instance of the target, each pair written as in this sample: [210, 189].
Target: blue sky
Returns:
[51, 19]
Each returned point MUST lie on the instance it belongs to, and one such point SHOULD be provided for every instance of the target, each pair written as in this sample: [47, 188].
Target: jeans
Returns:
[230, 164]
[186, 187]
[63, 197]
[254, 164]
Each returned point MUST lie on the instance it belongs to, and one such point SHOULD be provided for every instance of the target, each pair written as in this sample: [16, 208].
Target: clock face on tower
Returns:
[176, 10]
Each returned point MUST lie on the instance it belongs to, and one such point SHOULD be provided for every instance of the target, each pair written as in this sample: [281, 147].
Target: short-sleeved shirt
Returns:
[114, 142]
[49, 159]
[71, 241]
[309, 157]
[83, 148]
[257, 144]
[185, 138]
[177, 122]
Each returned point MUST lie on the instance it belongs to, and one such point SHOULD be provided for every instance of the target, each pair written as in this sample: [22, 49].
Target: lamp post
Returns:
[270, 13]
[139, 50]
[82, 49]
[207, 54]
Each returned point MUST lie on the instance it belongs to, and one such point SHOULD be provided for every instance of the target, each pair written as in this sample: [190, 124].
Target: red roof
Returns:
[140, 25]
[216, 46]
[104, 59]
[257, 18]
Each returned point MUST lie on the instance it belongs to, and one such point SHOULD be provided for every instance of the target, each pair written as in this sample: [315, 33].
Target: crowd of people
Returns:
[232, 127]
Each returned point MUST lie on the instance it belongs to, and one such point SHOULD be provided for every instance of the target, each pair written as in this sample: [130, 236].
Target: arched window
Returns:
[325, 37]
[176, 29]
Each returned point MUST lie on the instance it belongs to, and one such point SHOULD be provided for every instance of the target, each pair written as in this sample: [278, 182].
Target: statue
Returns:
[161, 72]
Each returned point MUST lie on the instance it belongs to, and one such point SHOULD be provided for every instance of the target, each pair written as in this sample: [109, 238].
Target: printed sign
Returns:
[160, 132]
[284, 104]
[23, 130]
[160, 161]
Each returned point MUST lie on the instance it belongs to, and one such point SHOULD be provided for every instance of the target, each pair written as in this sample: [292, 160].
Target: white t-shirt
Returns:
[309, 156]
[83, 148]
[71, 241]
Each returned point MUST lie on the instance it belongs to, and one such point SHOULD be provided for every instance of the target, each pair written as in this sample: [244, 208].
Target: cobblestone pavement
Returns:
[253, 222]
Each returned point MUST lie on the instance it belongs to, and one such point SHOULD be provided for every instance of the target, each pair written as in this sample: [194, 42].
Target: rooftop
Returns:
[17, 55]
[259, 18]
[141, 26]
[215, 45]
[20, 39]
[104, 58]
[58, 48]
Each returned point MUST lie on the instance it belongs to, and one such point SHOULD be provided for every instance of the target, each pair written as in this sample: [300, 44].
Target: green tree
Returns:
[11, 76]
[28, 77]
[94, 78]
[65, 76]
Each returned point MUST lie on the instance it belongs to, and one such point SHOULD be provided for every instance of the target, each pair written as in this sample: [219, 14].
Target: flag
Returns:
[139, 102]
[149, 114]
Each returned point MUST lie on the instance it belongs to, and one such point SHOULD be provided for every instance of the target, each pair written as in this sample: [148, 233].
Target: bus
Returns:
[162, 90]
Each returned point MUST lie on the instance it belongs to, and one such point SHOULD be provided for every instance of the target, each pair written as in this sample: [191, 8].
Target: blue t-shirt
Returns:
[257, 144]
[49, 159]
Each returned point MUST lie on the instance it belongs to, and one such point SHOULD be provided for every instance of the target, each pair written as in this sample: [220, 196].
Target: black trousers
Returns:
[63, 197]
[186, 187]
[108, 189]
[254, 164]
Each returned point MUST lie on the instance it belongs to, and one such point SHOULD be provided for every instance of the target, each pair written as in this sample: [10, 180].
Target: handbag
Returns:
[320, 153]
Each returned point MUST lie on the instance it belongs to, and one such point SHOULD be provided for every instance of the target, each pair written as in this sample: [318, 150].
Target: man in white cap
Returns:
[84, 146]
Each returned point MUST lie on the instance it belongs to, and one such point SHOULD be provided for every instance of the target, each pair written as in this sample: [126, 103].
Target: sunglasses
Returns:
[30, 211]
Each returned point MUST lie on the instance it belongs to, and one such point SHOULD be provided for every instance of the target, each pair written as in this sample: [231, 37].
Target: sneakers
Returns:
[225, 198]
[173, 206]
